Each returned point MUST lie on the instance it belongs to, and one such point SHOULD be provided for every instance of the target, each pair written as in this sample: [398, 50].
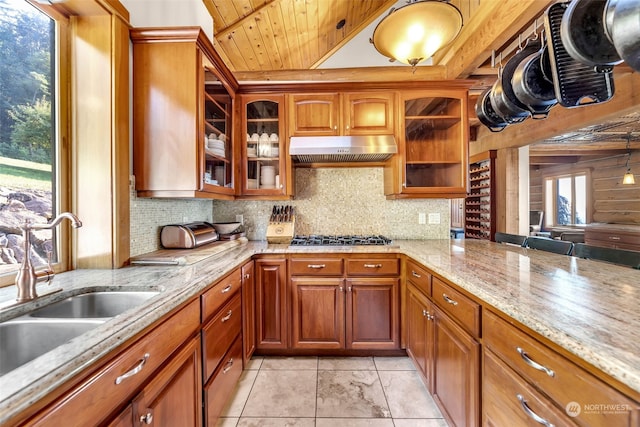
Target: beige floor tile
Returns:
[354, 422]
[282, 394]
[394, 364]
[240, 394]
[398, 385]
[276, 422]
[289, 363]
[351, 394]
[227, 422]
[346, 364]
[434, 422]
[254, 362]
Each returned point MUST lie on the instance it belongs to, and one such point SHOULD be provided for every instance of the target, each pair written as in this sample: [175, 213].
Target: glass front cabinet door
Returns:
[218, 173]
[433, 159]
[264, 152]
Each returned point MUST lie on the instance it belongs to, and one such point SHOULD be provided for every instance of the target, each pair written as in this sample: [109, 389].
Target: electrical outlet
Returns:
[422, 218]
[240, 219]
[434, 218]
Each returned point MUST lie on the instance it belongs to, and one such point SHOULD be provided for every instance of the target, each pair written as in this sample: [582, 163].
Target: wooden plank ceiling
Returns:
[266, 35]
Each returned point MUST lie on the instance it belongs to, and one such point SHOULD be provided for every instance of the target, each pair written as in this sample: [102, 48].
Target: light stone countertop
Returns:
[589, 308]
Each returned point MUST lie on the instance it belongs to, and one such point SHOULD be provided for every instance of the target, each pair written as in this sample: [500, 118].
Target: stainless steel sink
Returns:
[23, 339]
[93, 305]
[26, 337]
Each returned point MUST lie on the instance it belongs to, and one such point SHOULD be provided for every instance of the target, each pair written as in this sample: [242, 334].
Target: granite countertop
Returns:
[589, 308]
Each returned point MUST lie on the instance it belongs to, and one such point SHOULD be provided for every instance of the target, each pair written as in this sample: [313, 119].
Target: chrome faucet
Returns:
[27, 276]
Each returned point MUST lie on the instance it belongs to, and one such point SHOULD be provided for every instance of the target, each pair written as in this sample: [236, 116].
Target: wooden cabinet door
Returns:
[314, 114]
[456, 372]
[248, 311]
[369, 113]
[174, 395]
[373, 315]
[318, 313]
[124, 419]
[271, 303]
[420, 333]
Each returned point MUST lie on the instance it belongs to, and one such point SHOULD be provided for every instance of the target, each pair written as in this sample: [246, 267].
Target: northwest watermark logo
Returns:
[573, 409]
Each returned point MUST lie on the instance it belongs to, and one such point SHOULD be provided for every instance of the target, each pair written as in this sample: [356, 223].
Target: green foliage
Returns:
[25, 75]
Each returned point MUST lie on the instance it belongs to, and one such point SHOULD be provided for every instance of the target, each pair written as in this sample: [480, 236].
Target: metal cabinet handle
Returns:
[534, 364]
[227, 317]
[340, 288]
[316, 266]
[425, 313]
[537, 418]
[147, 418]
[247, 276]
[449, 300]
[372, 265]
[614, 238]
[227, 289]
[414, 274]
[133, 371]
[348, 288]
[227, 366]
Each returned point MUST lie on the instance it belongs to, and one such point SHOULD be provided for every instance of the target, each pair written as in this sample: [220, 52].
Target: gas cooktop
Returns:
[319, 240]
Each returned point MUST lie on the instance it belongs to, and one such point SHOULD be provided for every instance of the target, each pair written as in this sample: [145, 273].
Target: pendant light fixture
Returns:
[628, 178]
[414, 32]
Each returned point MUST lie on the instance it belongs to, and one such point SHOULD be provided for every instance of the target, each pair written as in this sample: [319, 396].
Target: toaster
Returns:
[188, 235]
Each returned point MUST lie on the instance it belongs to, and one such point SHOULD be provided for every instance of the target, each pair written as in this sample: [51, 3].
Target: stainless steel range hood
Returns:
[338, 149]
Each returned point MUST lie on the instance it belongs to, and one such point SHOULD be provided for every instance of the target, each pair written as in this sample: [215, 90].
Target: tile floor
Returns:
[331, 392]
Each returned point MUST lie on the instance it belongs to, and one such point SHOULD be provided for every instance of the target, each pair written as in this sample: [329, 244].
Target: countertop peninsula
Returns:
[588, 308]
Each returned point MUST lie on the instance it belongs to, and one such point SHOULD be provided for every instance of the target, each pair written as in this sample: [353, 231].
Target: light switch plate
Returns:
[434, 218]
[422, 218]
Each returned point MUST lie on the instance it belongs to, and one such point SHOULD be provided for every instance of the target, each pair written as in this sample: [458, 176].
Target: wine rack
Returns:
[480, 203]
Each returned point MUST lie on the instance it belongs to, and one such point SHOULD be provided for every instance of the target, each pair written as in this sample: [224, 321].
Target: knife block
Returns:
[281, 232]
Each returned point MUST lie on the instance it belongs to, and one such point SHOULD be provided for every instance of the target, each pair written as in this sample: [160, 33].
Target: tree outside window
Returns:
[566, 199]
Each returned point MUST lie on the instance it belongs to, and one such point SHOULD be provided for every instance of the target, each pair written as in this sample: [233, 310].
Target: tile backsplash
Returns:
[328, 201]
[149, 215]
[342, 201]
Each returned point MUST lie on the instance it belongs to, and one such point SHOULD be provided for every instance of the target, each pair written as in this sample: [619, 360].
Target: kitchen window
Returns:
[32, 160]
[565, 199]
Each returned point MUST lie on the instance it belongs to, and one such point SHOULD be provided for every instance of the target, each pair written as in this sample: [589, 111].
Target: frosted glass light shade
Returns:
[413, 33]
[628, 178]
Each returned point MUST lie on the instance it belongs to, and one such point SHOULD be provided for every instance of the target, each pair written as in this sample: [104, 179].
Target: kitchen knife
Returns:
[273, 213]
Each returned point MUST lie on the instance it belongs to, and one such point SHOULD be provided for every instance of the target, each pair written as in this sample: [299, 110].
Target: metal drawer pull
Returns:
[135, 370]
[614, 238]
[228, 366]
[372, 265]
[147, 418]
[534, 364]
[316, 266]
[537, 418]
[227, 317]
[426, 314]
[227, 289]
[415, 274]
[449, 300]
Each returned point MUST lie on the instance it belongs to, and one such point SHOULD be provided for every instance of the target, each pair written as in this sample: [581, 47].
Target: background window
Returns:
[566, 200]
[27, 131]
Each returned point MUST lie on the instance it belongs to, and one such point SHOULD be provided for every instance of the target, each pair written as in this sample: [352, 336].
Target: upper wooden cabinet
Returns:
[347, 113]
[266, 165]
[432, 146]
[183, 121]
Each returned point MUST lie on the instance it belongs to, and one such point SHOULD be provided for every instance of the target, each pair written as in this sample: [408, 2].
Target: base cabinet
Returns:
[173, 396]
[248, 311]
[420, 333]
[271, 304]
[456, 371]
[218, 390]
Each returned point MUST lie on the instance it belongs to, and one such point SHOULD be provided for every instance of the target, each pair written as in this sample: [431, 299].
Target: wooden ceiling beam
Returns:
[492, 26]
[365, 74]
[562, 120]
[552, 160]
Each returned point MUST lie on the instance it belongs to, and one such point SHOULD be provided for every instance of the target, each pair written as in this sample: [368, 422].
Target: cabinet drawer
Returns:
[373, 267]
[219, 333]
[221, 386]
[509, 401]
[463, 309]
[554, 375]
[114, 383]
[420, 277]
[221, 292]
[317, 267]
